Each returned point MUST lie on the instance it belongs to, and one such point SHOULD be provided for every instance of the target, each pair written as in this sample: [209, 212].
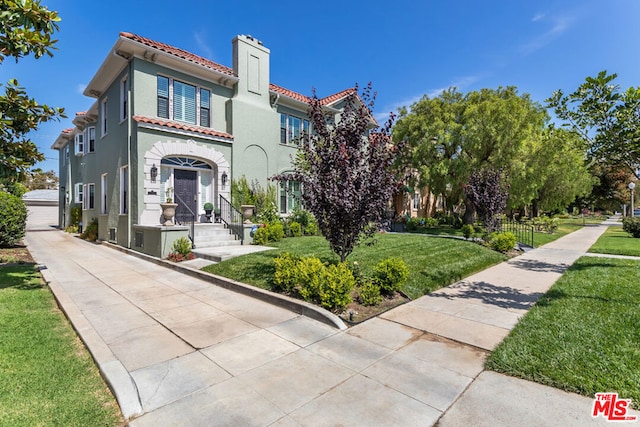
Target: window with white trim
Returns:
[183, 102]
[290, 196]
[79, 144]
[124, 96]
[416, 201]
[78, 193]
[124, 190]
[103, 115]
[292, 129]
[103, 193]
[89, 201]
[90, 139]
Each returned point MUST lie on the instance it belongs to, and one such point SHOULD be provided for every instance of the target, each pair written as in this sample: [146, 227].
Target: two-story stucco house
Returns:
[166, 122]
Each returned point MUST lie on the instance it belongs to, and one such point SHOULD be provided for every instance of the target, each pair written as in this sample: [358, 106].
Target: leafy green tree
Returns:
[37, 179]
[346, 172]
[26, 28]
[561, 166]
[454, 134]
[607, 118]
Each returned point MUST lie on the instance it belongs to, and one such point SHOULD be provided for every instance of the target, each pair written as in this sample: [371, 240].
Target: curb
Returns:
[114, 373]
[291, 304]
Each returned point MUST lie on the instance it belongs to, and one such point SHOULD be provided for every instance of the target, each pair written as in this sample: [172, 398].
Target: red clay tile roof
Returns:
[180, 53]
[302, 98]
[181, 126]
[81, 113]
[68, 131]
[291, 94]
[337, 96]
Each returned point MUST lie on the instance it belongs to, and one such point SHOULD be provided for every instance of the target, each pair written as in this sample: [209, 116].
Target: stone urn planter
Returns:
[168, 212]
[247, 212]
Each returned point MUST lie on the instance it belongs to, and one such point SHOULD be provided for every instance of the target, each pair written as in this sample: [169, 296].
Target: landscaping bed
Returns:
[582, 336]
[432, 263]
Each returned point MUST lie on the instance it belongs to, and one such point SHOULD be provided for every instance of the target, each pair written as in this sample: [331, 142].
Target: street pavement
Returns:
[180, 351]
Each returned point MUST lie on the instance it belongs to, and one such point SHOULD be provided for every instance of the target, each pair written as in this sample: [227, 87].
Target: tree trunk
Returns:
[469, 212]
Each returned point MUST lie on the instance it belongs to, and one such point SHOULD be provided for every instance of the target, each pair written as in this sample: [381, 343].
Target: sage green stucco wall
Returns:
[145, 77]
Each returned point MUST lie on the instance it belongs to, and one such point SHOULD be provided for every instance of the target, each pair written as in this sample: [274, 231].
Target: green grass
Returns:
[618, 242]
[439, 231]
[46, 375]
[433, 262]
[583, 335]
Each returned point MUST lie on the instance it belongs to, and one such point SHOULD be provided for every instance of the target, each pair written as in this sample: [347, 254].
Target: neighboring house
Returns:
[166, 119]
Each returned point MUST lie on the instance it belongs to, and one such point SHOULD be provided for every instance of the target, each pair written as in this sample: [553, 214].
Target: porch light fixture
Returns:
[154, 173]
[224, 178]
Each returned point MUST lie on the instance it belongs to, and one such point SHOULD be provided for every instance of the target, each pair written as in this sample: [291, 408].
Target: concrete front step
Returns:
[213, 235]
[218, 254]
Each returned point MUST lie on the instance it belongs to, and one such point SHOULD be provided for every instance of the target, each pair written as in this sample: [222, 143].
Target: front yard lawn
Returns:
[433, 263]
[618, 242]
[582, 336]
[47, 377]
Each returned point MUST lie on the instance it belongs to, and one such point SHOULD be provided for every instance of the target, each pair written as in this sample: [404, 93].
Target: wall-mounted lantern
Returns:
[154, 173]
[224, 178]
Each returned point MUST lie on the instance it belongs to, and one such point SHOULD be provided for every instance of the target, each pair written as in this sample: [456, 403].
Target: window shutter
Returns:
[163, 97]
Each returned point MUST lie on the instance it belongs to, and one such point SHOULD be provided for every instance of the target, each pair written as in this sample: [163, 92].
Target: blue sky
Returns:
[406, 48]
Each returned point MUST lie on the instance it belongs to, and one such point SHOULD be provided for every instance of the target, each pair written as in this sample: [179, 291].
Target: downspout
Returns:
[130, 174]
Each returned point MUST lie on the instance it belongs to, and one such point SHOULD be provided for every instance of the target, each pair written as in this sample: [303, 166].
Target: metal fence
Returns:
[232, 218]
[522, 231]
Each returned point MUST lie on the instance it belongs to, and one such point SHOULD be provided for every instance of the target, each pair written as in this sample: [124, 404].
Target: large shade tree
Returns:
[453, 134]
[346, 171]
[607, 118]
[26, 28]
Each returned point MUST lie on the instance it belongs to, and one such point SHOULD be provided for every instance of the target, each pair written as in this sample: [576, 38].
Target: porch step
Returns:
[227, 252]
[213, 235]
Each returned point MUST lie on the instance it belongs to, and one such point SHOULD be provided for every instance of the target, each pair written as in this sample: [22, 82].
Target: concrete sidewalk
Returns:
[181, 351]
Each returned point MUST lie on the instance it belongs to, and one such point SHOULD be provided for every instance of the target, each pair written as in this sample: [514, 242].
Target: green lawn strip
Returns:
[564, 228]
[433, 262]
[46, 375]
[583, 335]
[618, 242]
[439, 231]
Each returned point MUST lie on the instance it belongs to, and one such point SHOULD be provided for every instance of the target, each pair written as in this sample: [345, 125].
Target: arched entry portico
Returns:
[194, 170]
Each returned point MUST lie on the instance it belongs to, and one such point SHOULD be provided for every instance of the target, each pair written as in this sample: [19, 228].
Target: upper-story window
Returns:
[90, 139]
[183, 102]
[124, 97]
[103, 113]
[292, 129]
[79, 144]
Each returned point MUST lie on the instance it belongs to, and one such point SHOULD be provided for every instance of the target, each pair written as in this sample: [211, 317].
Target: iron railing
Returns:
[186, 218]
[523, 232]
[232, 219]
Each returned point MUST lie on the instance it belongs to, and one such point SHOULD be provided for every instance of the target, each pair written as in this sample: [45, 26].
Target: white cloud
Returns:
[201, 40]
[80, 87]
[537, 17]
[559, 25]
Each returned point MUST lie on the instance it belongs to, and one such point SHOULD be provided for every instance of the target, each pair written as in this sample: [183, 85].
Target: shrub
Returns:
[181, 250]
[295, 229]
[412, 224]
[468, 231]
[430, 222]
[310, 276]
[631, 226]
[336, 286]
[261, 236]
[90, 232]
[182, 246]
[369, 293]
[13, 219]
[208, 206]
[390, 274]
[502, 242]
[311, 229]
[76, 215]
[286, 275]
[275, 232]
